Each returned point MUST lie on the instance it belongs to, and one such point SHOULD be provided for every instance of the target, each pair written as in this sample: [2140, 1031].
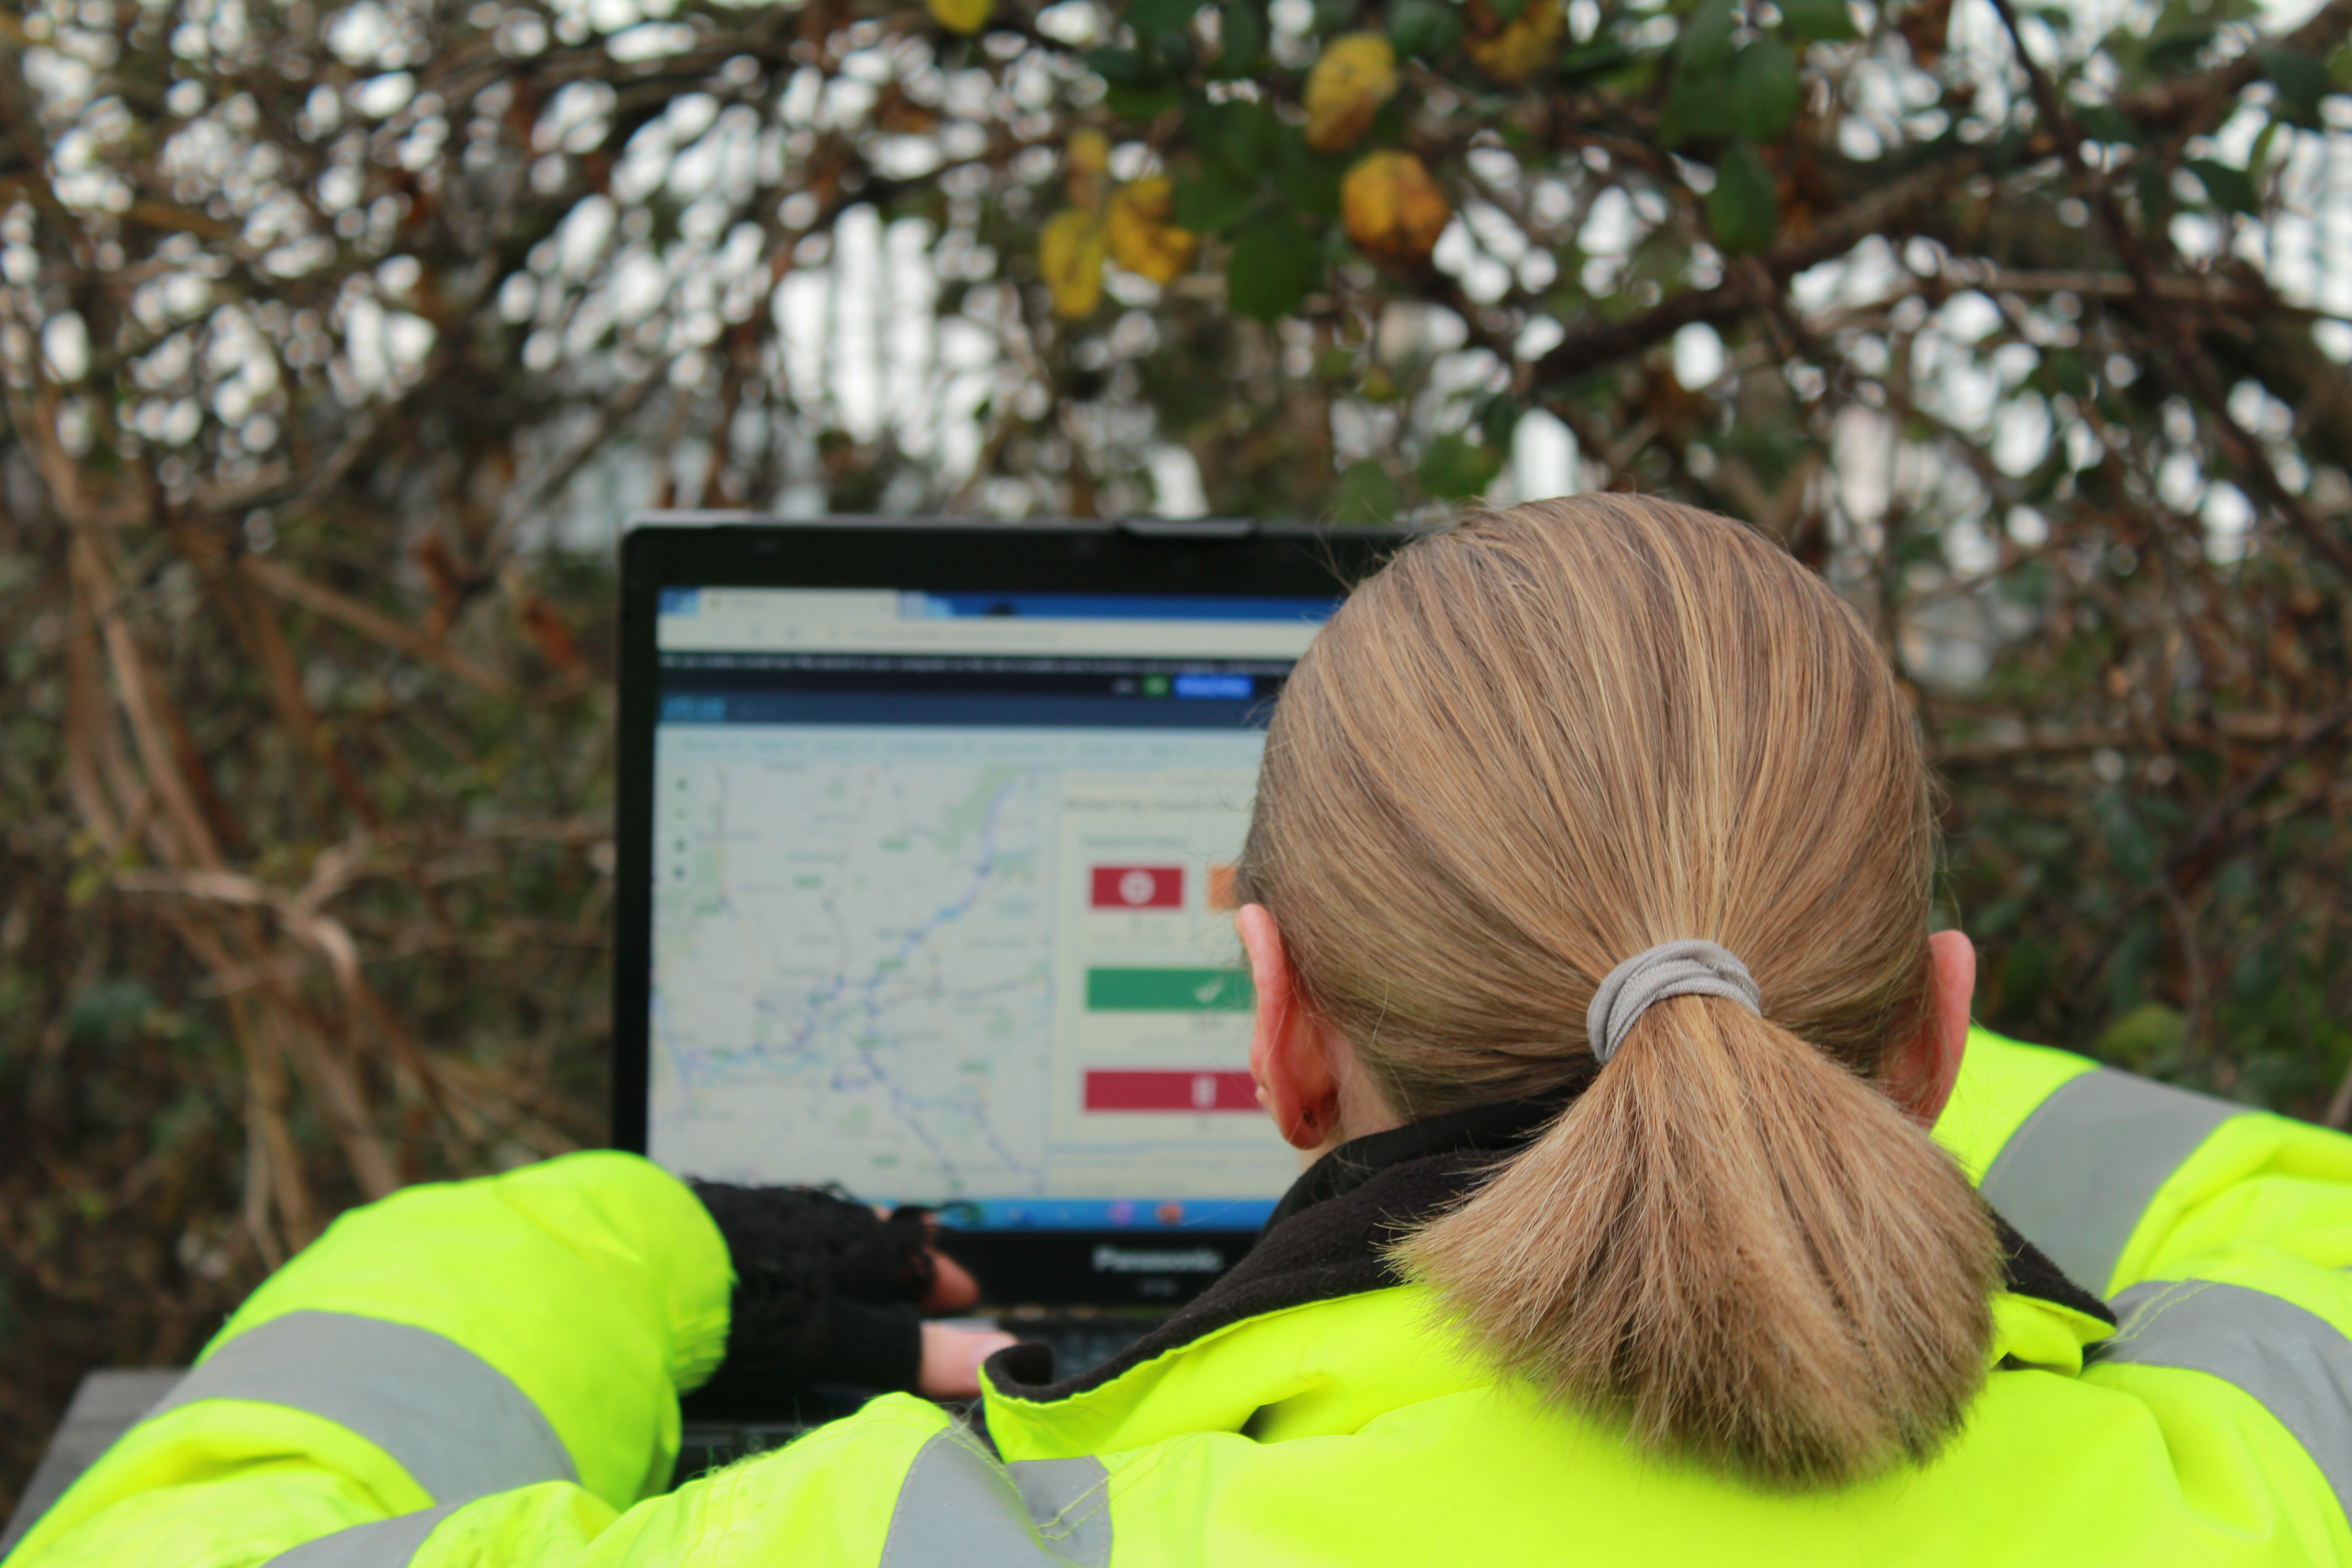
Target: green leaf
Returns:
[1123, 67]
[1744, 209]
[2231, 188]
[1707, 36]
[1273, 266]
[1139, 102]
[1366, 494]
[1825, 19]
[1309, 180]
[1453, 468]
[2301, 79]
[1598, 58]
[2066, 373]
[2143, 1036]
[1154, 20]
[2025, 976]
[1241, 32]
[1202, 119]
[2258, 156]
[1246, 136]
[109, 1010]
[2178, 51]
[2105, 122]
[1764, 89]
[1498, 417]
[667, 215]
[1508, 11]
[1212, 201]
[1998, 916]
[1697, 107]
[1423, 28]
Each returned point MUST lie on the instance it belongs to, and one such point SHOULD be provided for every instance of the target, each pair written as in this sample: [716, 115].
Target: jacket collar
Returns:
[1497, 1129]
[1328, 1238]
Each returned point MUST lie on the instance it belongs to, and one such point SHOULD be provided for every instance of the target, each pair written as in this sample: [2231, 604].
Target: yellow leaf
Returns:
[1086, 160]
[1141, 239]
[1356, 74]
[961, 15]
[1516, 52]
[1070, 255]
[1393, 207]
[1088, 150]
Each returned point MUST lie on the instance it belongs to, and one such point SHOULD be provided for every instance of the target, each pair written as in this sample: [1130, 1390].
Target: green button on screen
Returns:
[1169, 991]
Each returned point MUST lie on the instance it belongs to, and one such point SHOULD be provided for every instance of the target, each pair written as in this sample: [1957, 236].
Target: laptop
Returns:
[926, 842]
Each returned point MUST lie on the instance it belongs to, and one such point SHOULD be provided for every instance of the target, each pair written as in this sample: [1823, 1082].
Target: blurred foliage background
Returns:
[338, 336]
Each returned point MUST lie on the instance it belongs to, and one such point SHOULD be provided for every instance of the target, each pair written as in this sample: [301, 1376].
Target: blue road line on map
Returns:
[703, 1069]
[901, 1102]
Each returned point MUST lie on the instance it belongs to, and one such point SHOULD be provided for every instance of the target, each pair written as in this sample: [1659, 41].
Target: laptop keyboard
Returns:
[1079, 1344]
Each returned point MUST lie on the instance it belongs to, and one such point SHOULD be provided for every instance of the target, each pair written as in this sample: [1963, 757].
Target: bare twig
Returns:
[1591, 348]
[292, 586]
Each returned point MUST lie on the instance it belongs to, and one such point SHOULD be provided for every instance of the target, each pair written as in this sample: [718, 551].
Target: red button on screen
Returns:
[1181, 1089]
[1138, 888]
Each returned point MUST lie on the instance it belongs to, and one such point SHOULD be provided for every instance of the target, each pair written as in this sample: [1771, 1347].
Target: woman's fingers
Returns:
[953, 1286]
[951, 1358]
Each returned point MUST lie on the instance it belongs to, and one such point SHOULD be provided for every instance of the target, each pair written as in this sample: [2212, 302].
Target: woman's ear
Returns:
[1289, 1055]
[1921, 1079]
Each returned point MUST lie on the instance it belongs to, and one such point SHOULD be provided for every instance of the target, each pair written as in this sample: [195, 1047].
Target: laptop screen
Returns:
[942, 903]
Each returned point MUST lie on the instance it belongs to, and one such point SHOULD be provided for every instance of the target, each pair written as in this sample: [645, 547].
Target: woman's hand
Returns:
[829, 1291]
[953, 1353]
[951, 1358]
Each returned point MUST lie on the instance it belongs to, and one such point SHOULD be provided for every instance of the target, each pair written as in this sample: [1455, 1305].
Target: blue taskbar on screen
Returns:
[1144, 1215]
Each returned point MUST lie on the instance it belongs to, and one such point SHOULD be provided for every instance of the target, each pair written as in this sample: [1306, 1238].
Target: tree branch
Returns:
[1593, 347]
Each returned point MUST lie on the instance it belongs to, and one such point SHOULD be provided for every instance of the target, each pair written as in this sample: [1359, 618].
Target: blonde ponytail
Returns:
[1737, 1248]
[1529, 749]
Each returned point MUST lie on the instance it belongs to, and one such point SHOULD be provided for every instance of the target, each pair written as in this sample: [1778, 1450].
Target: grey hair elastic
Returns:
[1669, 969]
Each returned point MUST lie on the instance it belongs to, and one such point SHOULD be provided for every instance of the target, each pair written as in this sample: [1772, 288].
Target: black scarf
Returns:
[1328, 1237]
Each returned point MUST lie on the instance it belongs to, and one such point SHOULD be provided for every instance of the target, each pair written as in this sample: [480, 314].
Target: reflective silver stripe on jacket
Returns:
[458, 1425]
[2295, 1361]
[2078, 1174]
[386, 1543]
[959, 1508]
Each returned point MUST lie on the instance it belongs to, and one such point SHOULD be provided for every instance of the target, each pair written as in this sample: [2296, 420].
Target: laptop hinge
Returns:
[1189, 527]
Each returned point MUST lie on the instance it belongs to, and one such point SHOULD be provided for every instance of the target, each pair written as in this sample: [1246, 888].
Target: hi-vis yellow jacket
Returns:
[487, 1372]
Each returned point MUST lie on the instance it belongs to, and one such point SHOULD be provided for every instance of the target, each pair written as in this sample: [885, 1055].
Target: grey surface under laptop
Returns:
[106, 1406]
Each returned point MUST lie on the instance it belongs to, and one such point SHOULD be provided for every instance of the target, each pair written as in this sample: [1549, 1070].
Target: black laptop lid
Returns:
[925, 845]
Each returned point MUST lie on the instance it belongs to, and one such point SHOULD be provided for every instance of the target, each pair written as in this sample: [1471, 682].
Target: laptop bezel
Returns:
[674, 549]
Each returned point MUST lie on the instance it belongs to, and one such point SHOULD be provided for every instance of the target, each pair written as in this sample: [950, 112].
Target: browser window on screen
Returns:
[943, 904]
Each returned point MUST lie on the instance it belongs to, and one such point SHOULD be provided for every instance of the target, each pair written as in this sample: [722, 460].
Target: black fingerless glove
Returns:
[823, 1294]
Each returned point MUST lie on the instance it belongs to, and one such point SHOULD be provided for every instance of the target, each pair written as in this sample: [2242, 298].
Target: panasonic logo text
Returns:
[1126, 1260]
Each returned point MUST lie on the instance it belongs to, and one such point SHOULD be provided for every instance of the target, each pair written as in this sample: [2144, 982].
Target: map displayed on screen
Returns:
[987, 964]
